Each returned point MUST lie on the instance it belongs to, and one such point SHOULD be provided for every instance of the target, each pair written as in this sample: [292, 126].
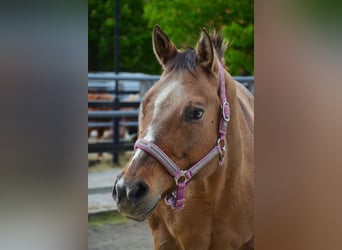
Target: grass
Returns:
[106, 218]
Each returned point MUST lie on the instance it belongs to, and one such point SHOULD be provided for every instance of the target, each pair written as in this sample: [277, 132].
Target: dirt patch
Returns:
[117, 236]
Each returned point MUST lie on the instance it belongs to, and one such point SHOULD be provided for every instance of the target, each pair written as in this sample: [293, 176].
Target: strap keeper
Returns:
[223, 127]
[222, 150]
[226, 111]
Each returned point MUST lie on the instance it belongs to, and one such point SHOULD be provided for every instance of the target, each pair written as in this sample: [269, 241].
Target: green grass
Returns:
[106, 218]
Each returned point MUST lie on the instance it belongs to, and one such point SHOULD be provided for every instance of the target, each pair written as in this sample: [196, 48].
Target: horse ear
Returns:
[163, 48]
[205, 51]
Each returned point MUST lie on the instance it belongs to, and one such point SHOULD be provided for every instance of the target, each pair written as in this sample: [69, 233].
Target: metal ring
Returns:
[222, 149]
[178, 178]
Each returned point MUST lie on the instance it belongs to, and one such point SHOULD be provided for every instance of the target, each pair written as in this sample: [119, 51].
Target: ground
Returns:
[120, 236]
[110, 230]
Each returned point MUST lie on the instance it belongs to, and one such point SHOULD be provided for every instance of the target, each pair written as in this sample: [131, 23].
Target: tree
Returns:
[100, 35]
[135, 50]
[183, 19]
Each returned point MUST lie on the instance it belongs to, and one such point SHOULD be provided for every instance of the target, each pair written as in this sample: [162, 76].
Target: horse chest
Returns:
[195, 229]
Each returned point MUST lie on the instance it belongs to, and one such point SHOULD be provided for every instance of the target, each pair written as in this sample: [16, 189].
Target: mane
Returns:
[187, 59]
[219, 44]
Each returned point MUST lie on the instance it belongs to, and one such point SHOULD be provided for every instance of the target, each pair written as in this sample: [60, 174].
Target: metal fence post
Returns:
[116, 124]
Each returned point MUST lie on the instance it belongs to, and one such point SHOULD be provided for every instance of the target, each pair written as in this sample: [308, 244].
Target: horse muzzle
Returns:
[133, 198]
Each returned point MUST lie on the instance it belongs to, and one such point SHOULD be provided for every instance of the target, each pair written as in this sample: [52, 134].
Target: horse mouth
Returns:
[143, 216]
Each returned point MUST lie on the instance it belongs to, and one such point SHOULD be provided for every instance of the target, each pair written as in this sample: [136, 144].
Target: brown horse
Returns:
[195, 150]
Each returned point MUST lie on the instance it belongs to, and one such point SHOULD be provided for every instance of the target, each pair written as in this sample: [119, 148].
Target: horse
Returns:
[195, 151]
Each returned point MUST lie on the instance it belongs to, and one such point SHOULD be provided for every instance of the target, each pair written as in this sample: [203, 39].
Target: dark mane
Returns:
[219, 44]
[186, 59]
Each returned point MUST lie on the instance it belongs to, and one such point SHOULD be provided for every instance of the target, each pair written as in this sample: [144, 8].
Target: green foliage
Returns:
[100, 35]
[182, 20]
[135, 48]
[136, 54]
[240, 54]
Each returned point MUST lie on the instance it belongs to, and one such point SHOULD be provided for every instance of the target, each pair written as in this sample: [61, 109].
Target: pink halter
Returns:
[182, 177]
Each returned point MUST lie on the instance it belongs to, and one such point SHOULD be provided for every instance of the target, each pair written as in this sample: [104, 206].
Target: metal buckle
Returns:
[170, 198]
[179, 178]
[226, 116]
[222, 148]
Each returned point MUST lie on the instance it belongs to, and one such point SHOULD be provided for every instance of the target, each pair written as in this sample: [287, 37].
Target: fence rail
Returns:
[113, 77]
[112, 114]
[110, 104]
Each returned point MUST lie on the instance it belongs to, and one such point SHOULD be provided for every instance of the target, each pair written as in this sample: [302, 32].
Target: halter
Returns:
[182, 177]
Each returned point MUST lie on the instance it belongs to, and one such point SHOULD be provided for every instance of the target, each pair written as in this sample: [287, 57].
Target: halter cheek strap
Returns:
[182, 177]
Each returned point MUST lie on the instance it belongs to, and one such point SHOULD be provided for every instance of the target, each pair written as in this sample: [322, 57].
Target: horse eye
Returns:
[196, 114]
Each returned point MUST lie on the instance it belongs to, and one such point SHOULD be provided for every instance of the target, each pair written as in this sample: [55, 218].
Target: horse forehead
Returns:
[171, 91]
[176, 87]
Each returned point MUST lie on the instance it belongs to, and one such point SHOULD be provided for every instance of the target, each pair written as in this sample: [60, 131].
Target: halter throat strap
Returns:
[182, 177]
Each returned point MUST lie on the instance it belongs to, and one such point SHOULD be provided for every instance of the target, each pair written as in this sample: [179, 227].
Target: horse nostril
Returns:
[137, 191]
[119, 191]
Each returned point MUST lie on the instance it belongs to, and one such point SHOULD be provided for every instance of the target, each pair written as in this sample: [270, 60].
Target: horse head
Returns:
[180, 115]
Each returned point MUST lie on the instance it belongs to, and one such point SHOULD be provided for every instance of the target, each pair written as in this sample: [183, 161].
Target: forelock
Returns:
[186, 59]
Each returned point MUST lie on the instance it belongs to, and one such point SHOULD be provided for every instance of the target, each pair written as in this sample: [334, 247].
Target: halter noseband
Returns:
[182, 177]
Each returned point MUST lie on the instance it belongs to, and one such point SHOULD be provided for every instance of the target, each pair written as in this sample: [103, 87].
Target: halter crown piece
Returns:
[182, 177]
